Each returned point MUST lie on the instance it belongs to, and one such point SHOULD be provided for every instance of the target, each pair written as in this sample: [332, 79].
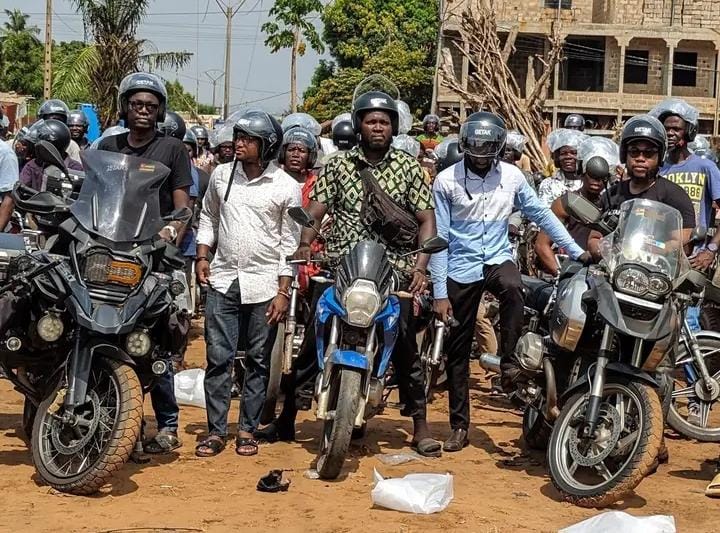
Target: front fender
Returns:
[612, 368]
[349, 358]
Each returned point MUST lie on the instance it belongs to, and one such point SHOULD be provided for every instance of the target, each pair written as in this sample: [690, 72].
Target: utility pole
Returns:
[213, 76]
[47, 76]
[229, 12]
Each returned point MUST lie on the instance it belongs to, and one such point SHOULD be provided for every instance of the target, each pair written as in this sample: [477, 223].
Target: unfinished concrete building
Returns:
[621, 57]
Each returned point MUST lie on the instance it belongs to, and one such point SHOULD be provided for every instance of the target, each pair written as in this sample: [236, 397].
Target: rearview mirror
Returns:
[48, 154]
[434, 245]
[302, 217]
[581, 209]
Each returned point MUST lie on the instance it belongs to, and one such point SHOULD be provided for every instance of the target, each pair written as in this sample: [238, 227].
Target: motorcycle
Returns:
[361, 312]
[431, 333]
[625, 311]
[84, 321]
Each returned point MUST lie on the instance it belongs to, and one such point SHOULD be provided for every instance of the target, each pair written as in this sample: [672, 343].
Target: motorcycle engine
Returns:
[530, 351]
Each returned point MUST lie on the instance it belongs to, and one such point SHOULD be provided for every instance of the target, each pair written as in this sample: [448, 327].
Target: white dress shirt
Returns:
[252, 230]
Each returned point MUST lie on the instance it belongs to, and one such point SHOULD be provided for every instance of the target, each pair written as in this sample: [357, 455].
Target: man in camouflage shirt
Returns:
[339, 191]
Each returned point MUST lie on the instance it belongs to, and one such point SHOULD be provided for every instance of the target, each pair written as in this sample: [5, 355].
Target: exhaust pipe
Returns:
[551, 408]
[490, 362]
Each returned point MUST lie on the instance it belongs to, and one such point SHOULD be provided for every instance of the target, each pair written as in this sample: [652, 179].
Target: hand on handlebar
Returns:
[202, 268]
[418, 283]
[443, 309]
[702, 260]
[303, 253]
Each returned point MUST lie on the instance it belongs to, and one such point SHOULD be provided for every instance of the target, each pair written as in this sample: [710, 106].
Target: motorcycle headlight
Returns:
[50, 327]
[632, 281]
[659, 285]
[103, 268]
[361, 302]
[138, 343]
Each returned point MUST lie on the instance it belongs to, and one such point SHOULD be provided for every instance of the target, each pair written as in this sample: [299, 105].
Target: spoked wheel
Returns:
[79, 453]
[338, 430]
[602, 469]
[536, 430]
[694, 411]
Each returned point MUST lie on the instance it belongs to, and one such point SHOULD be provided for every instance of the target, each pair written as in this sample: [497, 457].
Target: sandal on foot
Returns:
[274, 432]
[250, 444]
[713, 489]
[427, 447]
[163, 442]
[457, 441]
[210, 447]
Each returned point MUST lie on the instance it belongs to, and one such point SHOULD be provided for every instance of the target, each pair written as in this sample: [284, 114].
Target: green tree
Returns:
[73, 62]
[181, 100]
[292, 28]
[16, 24]
[395, 38]
[117, 52]
[21, 58]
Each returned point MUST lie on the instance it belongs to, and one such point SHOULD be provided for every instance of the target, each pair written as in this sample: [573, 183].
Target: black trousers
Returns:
[504, 282]
[405, 360]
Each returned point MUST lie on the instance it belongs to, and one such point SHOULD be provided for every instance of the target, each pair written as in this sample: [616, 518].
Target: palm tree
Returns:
[17, 23]
[292, 24]
[115, 52]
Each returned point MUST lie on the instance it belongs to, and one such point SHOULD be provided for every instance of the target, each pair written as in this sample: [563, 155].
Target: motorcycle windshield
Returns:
[119, 199]
[648, 234]
[366, 260]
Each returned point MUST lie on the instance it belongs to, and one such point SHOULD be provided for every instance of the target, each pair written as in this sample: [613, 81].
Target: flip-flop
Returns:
[163, 442]
[273, 482]
[246, 442]
[213, 445]
[427, 447]
[713, 489]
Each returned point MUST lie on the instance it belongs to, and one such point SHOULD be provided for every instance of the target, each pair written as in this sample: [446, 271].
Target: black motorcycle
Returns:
[84, 322]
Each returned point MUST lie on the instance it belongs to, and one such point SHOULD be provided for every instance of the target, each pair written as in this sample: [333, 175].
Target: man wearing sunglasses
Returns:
[474, 199]
[597, 159]
[141, 103]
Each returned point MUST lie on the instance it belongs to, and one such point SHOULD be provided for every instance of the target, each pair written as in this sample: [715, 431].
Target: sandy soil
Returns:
[498, 486]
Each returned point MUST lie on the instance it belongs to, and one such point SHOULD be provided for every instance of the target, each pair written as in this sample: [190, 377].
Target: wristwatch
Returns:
[712, 247]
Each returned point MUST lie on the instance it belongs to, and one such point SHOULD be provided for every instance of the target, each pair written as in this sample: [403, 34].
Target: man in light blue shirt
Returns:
[474, 199]
[9, 174]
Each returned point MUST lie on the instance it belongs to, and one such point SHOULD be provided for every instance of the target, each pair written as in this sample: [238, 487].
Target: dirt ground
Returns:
[498, 487]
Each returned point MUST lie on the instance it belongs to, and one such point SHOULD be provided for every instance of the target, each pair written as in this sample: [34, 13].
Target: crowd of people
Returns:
[473, 189]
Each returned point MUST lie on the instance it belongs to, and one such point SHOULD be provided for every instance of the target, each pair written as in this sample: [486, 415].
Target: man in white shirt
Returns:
[8, 178]
[244, 216]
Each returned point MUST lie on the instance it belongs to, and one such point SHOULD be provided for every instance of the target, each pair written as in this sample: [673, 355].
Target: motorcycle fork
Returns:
[78, 374]
[598, 384]
[290, 326]
[370, 356]
[437, 346]
[693, 347]
[323, 391]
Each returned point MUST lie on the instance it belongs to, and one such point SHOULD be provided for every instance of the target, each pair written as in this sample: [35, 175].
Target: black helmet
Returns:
[200, 132]
[56, 133]
[54, 107]
[375, 101]
[191, 139]
[261, 125]
[77, 117]
[598, 168]
[646, 128]
[137, 82]
[173, 125]
[574, 122]
[300, 135]
[344, 136]
[448, 153]
[483, 134]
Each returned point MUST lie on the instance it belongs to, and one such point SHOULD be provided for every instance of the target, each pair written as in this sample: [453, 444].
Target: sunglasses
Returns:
[647, 153]
[137, 105]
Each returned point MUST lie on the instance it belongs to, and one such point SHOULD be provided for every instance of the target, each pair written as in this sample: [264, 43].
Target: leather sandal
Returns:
[457, 441]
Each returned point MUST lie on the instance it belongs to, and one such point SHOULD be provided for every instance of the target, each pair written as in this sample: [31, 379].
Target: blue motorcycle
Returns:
[359, 317]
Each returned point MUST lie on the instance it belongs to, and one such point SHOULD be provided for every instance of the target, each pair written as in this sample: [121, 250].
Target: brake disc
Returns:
[707, 395]
[59, 428]
[610, 435]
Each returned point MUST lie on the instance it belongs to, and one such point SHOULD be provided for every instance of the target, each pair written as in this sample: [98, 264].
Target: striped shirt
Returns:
[477, 228]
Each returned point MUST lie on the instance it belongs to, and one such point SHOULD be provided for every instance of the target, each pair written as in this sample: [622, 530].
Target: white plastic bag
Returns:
[615, 521]
[190, 388]
[414, 493]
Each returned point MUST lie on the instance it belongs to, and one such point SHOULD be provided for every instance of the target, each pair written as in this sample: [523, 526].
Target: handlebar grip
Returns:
[452, 322]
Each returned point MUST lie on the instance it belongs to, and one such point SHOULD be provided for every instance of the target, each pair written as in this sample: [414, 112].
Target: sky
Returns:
[198, 26]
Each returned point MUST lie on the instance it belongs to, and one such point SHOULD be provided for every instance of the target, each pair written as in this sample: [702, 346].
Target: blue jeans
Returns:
[162, 396]
[693, 318]
[226, 319]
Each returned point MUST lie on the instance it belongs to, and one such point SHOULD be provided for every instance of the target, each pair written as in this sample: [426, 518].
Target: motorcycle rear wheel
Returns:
[80, 459]
[641, 423]
[337, 432]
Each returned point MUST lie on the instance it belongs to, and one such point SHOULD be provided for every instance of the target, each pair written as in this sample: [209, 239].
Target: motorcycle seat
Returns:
[537, 292]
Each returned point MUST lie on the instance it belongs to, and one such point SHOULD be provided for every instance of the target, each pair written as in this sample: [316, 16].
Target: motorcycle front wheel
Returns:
[599, 471]
[691, 410]
[81, 456]
[337, 431]
[273, 389]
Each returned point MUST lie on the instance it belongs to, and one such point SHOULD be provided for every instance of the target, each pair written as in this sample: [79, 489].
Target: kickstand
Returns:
[138, 455]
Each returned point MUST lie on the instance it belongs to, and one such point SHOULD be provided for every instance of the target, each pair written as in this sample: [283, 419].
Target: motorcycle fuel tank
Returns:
[569, 318]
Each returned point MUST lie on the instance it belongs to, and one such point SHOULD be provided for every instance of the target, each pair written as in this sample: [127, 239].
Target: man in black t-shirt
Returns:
[142, 100]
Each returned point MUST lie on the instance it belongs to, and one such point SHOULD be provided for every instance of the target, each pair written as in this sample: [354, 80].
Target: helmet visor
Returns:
[481, 139]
